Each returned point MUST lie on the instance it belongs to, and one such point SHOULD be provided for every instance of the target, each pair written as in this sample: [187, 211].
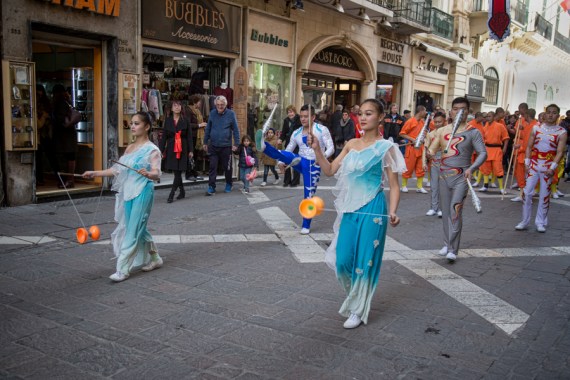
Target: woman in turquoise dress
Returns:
[132, 243]
[362, 168]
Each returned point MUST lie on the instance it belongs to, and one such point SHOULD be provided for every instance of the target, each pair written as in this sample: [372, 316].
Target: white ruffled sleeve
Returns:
[394, 160]
[155, 161]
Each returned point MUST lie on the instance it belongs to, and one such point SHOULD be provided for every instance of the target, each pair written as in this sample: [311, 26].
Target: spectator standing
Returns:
[393, 123]
[222, 127]
[290, 124]
[245, 149]
[197, 123]
[268, 162]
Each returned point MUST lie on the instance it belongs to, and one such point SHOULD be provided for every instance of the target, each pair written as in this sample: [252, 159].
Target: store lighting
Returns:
[184, 56]
[362, 13]
[338, 6]
[385, 23]
[344, 87]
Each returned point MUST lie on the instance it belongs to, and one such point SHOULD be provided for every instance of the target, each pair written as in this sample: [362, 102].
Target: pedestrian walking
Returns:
[132, 243]
[363, 213]
[247, 160]
[221, 129]
[177, 147]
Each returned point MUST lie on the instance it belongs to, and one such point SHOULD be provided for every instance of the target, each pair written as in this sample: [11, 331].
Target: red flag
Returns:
[499, 20]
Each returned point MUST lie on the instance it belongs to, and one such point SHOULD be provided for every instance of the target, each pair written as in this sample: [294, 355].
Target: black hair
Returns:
[145, 117]
[553, 105]
[461, 99]
[306, 108]
[377, 104]
[439, 114]
[406, 111]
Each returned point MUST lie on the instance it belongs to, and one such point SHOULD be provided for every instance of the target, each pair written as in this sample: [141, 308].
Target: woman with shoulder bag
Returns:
[176, 147]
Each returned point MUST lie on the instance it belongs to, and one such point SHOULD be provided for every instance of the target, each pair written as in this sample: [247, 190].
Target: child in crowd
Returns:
[247, 160]
[268, 162]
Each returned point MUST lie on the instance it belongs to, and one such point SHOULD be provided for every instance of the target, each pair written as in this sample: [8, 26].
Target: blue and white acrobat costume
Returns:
[308, 167]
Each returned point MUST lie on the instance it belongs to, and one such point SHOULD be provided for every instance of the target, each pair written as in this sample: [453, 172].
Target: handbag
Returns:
[73, 117]
[249, 161]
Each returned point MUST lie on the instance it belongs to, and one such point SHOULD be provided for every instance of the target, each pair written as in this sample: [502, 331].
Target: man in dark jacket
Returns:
[393, 123]
[290, 124]
[222, 126]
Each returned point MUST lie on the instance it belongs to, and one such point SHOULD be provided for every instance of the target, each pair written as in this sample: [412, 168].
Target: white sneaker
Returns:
[493, 185]
[305, 231]
[154, 264]
[540, 228]
[451, 256]
[119, 276]
[430, 213]
[443, 251]
[440, 214]
[352, 322]
[516, 199]
[514, 185]
[421, 190]
[559, 193]
[503, 191]
[475, 184]
[404, 189]
[263, 183]
[555, 195]
[483, 189]
[521, 226]
[277, 182]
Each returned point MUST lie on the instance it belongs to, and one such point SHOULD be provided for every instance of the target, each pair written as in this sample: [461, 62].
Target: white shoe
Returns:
[277, 182]
[521, 226]
[451, 256]
[119, 276]
[483, 189]
[421, 190]
[515, 185]
[263, 183]
[559, 193]
[440, 214]
[475, 184]
[404, 189]
[516, 199]
[154, 264]
[443, 251]
[430, 213]
[540, 228]
[305, 231]
[352, 322]
[555, 195]
[503, 191]
[493, 185]
[427, 184]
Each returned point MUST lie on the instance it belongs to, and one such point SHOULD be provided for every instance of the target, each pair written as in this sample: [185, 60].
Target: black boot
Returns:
[181, 195]
[170, 196]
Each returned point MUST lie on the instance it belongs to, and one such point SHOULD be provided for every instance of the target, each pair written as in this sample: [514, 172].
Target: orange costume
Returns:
[522, 140]
[495, 135]
[481, 128]
[413, 156]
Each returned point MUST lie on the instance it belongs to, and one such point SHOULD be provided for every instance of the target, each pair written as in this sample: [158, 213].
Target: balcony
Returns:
[562, 42]
[410, 16]
[543, 27]
[519, 13]
[441, 24]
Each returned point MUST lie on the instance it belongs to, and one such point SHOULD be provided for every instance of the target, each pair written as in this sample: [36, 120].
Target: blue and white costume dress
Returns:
[308, 166]
[132, 243]
[359, 230]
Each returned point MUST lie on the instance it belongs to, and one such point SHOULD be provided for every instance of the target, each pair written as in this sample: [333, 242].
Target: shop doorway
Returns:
[67, 78]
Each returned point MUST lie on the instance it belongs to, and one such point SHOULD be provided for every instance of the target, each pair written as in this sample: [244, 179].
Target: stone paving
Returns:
[226, 309]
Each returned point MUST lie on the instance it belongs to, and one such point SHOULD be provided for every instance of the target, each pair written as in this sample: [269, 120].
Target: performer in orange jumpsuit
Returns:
[524, 124]
[479, 124]
[413, 156]
[496, 139]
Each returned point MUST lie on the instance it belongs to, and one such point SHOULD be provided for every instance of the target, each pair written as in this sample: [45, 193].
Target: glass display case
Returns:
[128, 106]
[20, 132]
[82, 101]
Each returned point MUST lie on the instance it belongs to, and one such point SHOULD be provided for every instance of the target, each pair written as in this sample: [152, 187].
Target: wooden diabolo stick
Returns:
[517, 132]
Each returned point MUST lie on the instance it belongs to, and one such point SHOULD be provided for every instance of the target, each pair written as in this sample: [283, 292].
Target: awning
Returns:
[474, 98]
[441, 52]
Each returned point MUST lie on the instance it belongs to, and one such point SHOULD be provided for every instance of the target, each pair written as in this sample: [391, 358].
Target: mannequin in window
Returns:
[197, 82]
[224, 90]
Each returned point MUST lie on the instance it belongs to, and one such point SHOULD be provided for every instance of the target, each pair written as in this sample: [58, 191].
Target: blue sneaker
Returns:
[210, 191]
[228, 188]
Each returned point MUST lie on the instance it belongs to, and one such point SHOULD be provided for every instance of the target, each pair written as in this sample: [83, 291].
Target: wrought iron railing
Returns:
[441, 23]
[562, 42]
[520, 13]
[412, 10]
[381, 3]
[543, 27]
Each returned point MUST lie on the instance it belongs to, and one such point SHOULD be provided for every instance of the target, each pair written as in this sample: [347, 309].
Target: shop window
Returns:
[491, 86]
[477, 70]
[531, 96]
[549, 96]
[269, 85]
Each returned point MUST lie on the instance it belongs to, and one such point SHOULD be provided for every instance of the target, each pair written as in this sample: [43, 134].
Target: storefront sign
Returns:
[270, 38]
[475, 87]
[430, 64]
[391, 52]
[335, 57]
[103, 7]
[202, 23]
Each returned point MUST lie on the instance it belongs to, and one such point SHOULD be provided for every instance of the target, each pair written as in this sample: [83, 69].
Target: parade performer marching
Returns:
[455, 170]
[544, 151]
[410, 131]
[525, 124]
[432, 166]
[496, 139]
[363, 214]
[307, 166]
[134, 175]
